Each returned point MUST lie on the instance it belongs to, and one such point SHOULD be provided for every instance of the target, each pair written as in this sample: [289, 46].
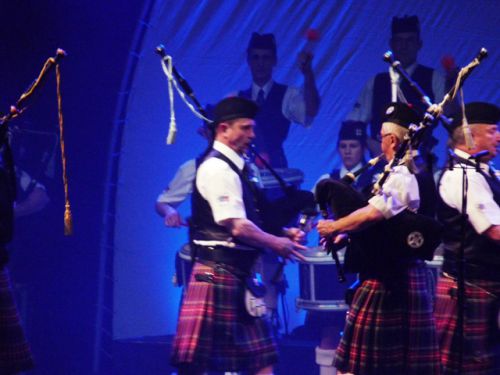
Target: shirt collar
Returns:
[465, 155]
[256, 88]
[230, 154]
[344, 170]
[410, 70]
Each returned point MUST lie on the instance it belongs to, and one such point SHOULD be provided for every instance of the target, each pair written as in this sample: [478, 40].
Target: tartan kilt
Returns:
[482, 344]
[390, 328]
[15, 353]
[214, 332]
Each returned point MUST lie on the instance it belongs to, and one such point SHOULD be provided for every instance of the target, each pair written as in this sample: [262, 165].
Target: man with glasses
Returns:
[390, 327]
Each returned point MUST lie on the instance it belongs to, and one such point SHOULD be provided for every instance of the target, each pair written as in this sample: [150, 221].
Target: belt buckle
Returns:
[206, 277]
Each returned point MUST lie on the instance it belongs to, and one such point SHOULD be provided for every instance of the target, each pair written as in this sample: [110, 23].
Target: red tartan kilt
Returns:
[15, 354]
[214, 332]
[390, 330]
[481, 347]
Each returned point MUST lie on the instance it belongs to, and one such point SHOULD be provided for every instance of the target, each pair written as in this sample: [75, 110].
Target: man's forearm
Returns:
[249, 233]
[359, 219]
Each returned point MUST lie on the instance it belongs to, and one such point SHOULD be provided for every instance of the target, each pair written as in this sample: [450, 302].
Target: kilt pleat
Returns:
[214, 332]
[482, 342]
[15, 353]
[390, 328]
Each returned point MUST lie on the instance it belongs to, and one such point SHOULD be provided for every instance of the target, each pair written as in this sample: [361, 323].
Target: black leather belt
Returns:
[242, 260]
[472, 271]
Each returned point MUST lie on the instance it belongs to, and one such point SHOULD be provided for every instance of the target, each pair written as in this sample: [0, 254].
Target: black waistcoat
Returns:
[482, 256]
[272, 127]
[204, 226]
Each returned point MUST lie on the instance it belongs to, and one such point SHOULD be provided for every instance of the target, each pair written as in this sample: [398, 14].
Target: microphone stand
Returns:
[460, 261]
[454, 160]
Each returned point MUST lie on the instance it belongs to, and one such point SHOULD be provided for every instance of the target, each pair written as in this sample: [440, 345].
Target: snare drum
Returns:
[183, 266]
[319, 288]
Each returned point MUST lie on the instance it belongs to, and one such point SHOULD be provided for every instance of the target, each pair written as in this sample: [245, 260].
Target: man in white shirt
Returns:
[279, 105]
[478, 234]
[214, 330]
[390, 327]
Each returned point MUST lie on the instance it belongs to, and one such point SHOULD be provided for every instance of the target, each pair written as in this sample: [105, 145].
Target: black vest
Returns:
[203, 225]
[272, 127]
[382, 94]
[482, 256]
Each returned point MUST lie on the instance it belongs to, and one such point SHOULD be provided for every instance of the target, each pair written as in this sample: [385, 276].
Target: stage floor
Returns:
[150, 356]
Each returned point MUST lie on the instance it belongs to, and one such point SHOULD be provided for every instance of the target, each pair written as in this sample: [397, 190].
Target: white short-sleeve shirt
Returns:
[482, 210]
[400, 191]
[221, 186]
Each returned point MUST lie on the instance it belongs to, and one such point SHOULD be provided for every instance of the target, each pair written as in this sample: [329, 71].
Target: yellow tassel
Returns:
[68, 221]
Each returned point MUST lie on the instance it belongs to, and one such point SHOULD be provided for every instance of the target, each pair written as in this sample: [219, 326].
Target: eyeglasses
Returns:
[380, 137]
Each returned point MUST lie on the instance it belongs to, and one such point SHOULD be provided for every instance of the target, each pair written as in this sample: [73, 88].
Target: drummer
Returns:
[391, 314]
[280, 105]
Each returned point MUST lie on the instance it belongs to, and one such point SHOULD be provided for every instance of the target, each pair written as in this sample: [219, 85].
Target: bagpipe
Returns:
[407, 235]
[280, 201]
[7, 166]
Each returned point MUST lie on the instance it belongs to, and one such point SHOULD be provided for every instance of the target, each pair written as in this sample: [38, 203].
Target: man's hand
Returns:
[295, 234]
[326, 228]
[171, 216]
[287, 249]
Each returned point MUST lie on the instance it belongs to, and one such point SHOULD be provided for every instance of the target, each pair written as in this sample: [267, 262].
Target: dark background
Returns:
[56, 276]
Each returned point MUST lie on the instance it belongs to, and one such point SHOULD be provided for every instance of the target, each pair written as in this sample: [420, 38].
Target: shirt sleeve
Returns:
[294, 106]
[399, 192]
[221, 187]
[181, 185]
[362, 110]
[482, 210]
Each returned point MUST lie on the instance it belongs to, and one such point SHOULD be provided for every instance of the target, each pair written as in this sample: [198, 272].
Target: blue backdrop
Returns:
[207, 40]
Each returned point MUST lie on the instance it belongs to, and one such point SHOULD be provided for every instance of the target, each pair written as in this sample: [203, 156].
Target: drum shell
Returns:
[183, 266]
[320, 289]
